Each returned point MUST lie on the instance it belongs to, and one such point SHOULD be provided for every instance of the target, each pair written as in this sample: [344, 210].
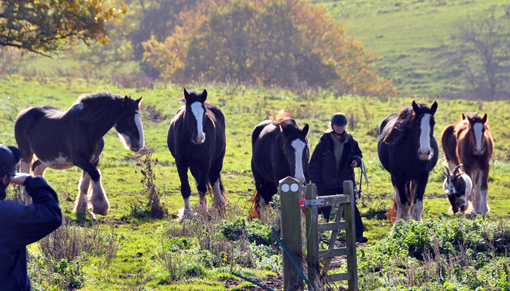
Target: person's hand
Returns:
[19, 178]
[354, 164]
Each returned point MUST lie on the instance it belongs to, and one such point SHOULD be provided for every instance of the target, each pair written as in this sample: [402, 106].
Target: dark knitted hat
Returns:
[9, 158]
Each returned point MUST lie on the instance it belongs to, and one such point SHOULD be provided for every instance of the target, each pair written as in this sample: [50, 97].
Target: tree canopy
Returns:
[44, 26]
[265, 41]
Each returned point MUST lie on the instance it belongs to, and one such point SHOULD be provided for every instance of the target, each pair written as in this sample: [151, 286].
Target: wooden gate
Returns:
[344, 203]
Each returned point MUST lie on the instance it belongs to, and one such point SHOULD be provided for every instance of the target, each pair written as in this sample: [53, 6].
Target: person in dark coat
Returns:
[21, 225]
[333, 162]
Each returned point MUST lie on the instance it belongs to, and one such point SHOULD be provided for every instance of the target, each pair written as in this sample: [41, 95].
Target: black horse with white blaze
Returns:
[408, 150]
[61, 140]
[197, 141]
[279, 149]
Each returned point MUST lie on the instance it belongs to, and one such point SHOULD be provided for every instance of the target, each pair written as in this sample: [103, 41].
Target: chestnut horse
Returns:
[470, 143]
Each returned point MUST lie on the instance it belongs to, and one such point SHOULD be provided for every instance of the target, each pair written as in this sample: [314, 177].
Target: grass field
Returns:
[139, 239]
[407, 36]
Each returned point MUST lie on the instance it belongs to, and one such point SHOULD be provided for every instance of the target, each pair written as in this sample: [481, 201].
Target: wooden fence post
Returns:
[350, 236]
[291, 232]
[312, 237]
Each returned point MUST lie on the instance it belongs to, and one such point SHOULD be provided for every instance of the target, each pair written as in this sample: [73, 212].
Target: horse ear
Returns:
[484, 118]
[203, 96]
[305, 129]
[415, 106]
[463, 117]
[186, 94]
[447, 173]
[139, 101]
[433, 108]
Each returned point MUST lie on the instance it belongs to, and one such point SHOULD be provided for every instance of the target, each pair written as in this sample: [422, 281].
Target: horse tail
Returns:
[255, 206]
[391, 215]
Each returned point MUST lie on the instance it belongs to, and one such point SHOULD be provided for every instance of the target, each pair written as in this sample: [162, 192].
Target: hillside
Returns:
[407, 35]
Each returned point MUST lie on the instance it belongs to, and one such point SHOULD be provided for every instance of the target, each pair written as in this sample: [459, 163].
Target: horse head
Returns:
[195, 105]
[129, 124]
[296, 149]
[455, 187]
[478, 126]
[425, 117]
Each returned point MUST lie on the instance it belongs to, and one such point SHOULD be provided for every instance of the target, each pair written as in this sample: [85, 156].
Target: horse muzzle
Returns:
[479, 152]
[199, 139]
[425, 155]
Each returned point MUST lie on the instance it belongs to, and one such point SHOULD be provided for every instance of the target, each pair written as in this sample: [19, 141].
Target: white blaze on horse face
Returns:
[139, 126]
[425, 152]
[477, 128]
[198, 111]
[126, 140]
[299, 147]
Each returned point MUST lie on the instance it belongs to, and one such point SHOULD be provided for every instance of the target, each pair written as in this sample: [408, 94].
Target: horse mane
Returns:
[402, 125]
[282, 116]
[475, 116]
[92, 107]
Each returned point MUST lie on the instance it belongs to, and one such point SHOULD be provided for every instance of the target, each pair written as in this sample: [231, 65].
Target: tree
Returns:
[45, 26]
[480, 51]
[264, 41]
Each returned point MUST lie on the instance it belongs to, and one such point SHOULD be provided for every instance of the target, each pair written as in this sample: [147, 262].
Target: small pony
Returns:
[457, 186]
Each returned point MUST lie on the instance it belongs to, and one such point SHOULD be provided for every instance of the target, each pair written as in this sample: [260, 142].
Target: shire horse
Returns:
[61, 140]
[408, 150]
[457, 186]
[197, 141]
[279, 149]
[470, 143]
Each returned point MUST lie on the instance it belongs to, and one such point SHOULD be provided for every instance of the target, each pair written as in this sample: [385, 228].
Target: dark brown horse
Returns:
[279, 149]
[408, 150]
[470, 143]
[197, 141]
[61, 140]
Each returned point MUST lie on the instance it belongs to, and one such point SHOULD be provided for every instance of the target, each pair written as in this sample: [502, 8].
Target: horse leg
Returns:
[418, 191]
[473, 195]
[483, 206]
[201, 183]
[38, 169]
[80, 204]
[215, 181]
[401, 199]
[26, 164]
[98, 199]
[182, 169]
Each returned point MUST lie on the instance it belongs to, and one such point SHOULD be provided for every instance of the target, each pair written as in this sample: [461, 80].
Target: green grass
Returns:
[406, 36]
[140, 240]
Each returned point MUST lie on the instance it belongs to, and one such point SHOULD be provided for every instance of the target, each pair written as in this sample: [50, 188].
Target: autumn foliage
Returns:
[265, 42]
[44, 26]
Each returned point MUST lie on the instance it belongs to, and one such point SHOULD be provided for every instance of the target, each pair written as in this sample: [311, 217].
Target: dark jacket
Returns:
[322, 168]
[21, 225]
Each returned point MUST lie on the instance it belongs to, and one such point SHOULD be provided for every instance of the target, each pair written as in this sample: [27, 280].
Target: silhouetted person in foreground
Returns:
[21, 225]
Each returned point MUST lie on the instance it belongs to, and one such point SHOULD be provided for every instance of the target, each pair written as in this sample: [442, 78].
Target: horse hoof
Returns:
[100, 210]
[185, 215]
